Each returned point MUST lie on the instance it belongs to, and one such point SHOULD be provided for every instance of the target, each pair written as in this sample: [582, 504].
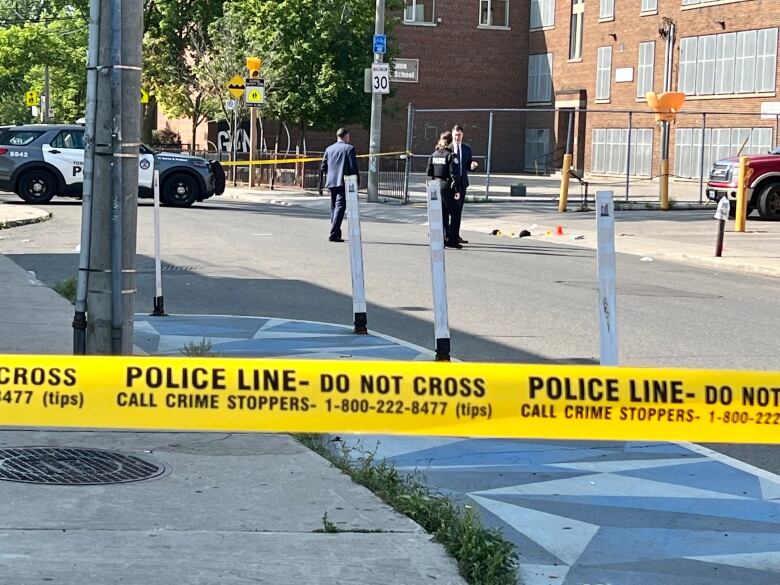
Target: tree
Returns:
[175, 40]
[34, 34]
[315, 52]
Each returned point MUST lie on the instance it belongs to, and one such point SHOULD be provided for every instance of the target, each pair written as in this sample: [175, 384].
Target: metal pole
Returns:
[605, 263]
[252, 143]
[489, 157]
[664, 184]
[46, 89]
[374, 146]
[356, 256]
[701, 161]
[628, 154]
[80, 311]
[438, 275]
[158, 302]
[409, 155]
[234, 140]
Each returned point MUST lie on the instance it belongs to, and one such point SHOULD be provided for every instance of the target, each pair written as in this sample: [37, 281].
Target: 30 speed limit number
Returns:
[380, 78]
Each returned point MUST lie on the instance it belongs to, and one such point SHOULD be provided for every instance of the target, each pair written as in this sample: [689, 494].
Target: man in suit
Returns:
[463, 152]
[339, 160]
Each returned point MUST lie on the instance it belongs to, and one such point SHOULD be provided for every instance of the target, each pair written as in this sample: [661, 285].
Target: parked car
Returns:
[40, 161]
[763, 185]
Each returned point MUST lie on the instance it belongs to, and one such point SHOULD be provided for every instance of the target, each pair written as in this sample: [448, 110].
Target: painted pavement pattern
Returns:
[580, 513]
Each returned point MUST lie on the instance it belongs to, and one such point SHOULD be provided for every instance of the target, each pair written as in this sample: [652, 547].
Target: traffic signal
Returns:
[253, 64]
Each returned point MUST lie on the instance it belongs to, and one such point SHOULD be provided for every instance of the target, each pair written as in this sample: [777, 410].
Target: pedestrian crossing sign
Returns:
[32, 99]
[254, 94]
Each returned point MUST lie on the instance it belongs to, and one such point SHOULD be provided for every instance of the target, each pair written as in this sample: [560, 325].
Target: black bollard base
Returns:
[159, 310]
[443, 350]
[361, 323]
[719, 242]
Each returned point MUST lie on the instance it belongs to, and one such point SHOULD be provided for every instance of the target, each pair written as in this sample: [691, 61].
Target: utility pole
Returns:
[376, 116]
[47, 102]
[114, 186]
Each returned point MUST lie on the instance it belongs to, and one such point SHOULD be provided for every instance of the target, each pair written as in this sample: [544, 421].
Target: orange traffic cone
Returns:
[558, 230]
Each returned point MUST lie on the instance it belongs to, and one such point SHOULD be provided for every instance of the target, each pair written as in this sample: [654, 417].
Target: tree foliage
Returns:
[315, 52]
[35, 33]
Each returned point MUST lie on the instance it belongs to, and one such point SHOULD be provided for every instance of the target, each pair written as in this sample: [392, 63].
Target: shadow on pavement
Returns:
[186, 290]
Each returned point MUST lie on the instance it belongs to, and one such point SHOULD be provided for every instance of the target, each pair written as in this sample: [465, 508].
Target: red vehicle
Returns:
[763, 185]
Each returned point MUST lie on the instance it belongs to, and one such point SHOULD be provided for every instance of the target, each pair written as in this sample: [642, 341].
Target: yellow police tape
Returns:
[298, 160]
[459, 399]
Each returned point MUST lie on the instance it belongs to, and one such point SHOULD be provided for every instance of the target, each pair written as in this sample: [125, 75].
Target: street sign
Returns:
[144, 96]
[32, 99]
[254, 94]
[236, 86]
[380, 78]
[380, 44]
[404, 70]
[231, 105]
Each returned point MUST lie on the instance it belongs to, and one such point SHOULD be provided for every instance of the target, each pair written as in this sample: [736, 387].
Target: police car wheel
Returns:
[180, 191]
[37, 186]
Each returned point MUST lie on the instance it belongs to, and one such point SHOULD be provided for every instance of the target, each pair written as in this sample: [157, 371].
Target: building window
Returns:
[644, 75]
[606, 8]
[575, 35]
[542, 13]
[609, 150]
[419, 11]
[494, 13]
[537, 149]
[649, 5]
[729, 63]
[719, 143]
[603, 73]
[540, 77]
[701, 2]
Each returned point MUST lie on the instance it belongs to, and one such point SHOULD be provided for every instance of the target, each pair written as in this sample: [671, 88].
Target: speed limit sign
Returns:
[380, 78]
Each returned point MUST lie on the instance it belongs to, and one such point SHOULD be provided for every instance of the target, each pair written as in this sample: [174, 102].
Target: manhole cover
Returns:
[74, 466]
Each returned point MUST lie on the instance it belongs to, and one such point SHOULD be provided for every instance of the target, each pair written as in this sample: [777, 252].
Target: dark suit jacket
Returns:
[465, 162]
[339, 160]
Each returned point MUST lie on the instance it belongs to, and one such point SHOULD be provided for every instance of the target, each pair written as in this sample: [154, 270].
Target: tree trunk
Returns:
[149, 120]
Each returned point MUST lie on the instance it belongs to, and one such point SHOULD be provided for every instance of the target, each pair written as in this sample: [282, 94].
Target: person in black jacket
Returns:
[443, 166]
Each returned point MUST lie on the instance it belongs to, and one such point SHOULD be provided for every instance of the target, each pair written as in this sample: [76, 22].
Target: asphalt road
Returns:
[509, 300]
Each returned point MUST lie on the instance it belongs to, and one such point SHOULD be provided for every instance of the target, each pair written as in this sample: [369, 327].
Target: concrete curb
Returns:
[23, 216]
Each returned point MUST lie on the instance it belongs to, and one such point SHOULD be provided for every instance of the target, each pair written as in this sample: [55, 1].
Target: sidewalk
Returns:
[16, 215]
[218, 508]
[679, 235]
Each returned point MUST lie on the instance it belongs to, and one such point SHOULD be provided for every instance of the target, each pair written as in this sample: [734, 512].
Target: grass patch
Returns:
[67, 288]
[201, 348]
[484, 557]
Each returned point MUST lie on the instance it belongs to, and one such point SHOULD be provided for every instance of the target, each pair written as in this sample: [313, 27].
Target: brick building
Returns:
[597, 58]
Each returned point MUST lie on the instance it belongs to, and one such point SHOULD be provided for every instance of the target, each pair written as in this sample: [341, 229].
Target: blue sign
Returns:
[380, 44]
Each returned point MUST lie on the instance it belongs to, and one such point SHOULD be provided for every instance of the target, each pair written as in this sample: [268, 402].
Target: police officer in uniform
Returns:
[443, 166]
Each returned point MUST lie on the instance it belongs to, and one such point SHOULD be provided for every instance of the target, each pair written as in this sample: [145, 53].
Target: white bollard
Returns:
[438, 275]
[605, 263]
[356, 255]
[159, 310]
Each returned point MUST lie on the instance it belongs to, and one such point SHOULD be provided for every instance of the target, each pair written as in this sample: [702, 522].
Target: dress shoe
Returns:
[462, 241]
[332, 239]
[453, 245]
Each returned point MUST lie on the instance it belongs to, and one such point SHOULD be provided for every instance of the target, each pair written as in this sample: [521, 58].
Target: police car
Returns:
[38, 162]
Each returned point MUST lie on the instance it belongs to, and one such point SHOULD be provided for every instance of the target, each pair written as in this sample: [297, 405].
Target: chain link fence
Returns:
[619, 150]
